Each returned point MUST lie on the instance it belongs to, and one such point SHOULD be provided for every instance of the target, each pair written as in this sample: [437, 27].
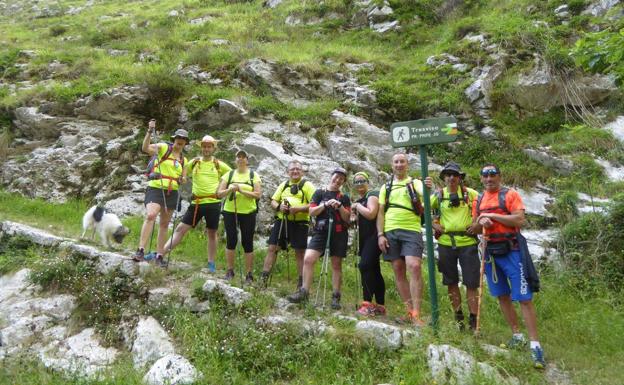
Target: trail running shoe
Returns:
[472, 321]
[160, 261]
[459, 318]
[150, 256]
[212, 268]
[335, 304]
[379, 310]
[249, 278]
[537, 354]
[138, 256]
[229, 274]
[367, 309]
[299, 296]
[264, 278]
[516, 342]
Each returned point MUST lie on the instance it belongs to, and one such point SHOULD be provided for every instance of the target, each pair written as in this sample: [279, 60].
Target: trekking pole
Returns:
[482, 250]
[238, 256]
[356, 240]
[325, 264]
[286, 244]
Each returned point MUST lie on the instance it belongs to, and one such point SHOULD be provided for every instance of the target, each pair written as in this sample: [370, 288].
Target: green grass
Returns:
[239, 351]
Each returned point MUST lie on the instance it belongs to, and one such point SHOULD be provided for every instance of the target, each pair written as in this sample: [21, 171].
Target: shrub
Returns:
[592, 247]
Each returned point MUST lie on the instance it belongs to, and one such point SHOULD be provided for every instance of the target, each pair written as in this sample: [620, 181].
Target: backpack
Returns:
[416, 208]
[251, 183]
[299, 185]
[216, 162]
[502, 193]
[155, 162]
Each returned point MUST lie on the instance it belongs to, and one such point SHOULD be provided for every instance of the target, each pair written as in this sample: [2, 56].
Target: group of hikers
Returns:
[388, 223]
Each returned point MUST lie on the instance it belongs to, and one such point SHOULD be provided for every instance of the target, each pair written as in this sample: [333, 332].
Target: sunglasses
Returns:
[490, 172]
[360, 182]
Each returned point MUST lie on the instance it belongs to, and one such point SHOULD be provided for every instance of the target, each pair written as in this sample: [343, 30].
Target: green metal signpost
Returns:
[420, 133]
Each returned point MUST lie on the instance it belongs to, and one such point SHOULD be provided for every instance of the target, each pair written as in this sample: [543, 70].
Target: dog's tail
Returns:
[98, 213]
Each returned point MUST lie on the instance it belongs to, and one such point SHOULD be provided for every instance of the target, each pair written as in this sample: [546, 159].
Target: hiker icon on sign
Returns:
[400, 134]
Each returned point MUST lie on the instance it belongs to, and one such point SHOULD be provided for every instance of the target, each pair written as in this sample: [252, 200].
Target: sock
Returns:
[535, 344]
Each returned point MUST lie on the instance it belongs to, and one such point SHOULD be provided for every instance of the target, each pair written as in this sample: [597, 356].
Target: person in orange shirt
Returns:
[501, 212]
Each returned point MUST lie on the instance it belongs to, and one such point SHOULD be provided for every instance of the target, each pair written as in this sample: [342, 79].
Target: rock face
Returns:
[541, 90]
[222, 115]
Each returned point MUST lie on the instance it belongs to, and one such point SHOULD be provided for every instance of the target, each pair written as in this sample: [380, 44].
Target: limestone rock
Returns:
[561, 166]
[541, 90]
[113, 105]
[449, 364]
[159, 295]
[151, 342]
[223, 114]
[271, 3]
[36, 125]
[385, 336]
[37, 236]
[233, 295]
[171, 370]
[617, 128]
[600, 7]
[80, 354]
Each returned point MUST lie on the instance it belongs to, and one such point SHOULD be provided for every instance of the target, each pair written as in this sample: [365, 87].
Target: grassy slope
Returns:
[573, 325]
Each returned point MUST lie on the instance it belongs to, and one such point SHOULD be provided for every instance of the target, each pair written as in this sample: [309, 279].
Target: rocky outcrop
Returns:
[172, 369]
[384, 336]
[233, 295]
[223, 114]
[561, 166]
[113, 105]
[378, 17]
[600, 7]
[151, 342]
[541, 89]
[449, 364]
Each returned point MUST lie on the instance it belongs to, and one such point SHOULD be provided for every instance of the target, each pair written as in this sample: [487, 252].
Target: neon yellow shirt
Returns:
[302, 198]
[170, 168]
[244, 204]
[206, 178]
[398, 217]
[455, 219]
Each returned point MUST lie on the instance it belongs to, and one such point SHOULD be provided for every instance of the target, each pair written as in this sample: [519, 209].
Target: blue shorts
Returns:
[508, 271]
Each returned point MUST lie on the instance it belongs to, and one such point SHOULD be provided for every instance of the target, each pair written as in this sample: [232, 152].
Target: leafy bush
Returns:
[8, 58]
[602, 52]
[592, 247]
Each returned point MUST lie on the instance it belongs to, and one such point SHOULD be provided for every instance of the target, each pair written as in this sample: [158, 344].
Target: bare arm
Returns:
[515, 219]
[370, 210]
[255, 194]
[223, 190]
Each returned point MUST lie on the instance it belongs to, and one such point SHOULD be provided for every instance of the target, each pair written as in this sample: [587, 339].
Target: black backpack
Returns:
[299, 187]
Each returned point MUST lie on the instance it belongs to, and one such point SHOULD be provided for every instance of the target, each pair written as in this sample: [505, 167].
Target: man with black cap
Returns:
[456, 241]
[326, 202]
[165, 175]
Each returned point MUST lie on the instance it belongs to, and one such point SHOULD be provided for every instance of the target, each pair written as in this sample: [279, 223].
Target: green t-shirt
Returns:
[170, 168]
[302, 198]
[206, 178]
[397, 217]
[455, 219]
[244, 204]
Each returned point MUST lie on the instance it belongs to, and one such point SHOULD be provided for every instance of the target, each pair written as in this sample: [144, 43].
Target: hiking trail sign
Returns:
[424, 131]
[421, 133]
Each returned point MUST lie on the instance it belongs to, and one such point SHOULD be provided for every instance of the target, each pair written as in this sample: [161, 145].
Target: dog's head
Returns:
[120, 233]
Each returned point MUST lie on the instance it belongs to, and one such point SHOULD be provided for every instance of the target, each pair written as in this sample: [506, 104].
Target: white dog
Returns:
[107, 225]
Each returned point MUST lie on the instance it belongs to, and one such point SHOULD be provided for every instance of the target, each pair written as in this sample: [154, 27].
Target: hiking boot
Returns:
[299, 282]
[379, 310]
[264, 278]
[472, 321]
[229, 274]
[249, 278]
[367, 309]
[138, 256]
[160, 261]
[299, 296]
[537, 355]
[212, 268]
[459, 318]
[516, 342]
[335, 304]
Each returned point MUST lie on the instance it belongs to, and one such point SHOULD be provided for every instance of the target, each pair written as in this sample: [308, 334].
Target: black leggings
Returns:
[247, 226]
[372, 281]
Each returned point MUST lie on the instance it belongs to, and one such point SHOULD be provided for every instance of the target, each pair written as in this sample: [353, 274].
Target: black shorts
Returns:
[468, 257]
[209, 211]
[155, 195]
[337, 246]
[295, 233]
